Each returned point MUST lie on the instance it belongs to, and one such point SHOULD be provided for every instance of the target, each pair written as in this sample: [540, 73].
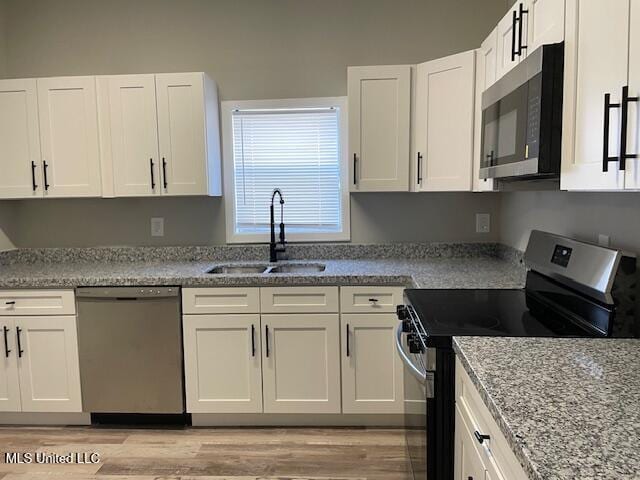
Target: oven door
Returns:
[418, 393]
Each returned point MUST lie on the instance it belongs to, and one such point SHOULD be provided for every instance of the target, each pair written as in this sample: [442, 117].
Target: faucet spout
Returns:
[274, 249]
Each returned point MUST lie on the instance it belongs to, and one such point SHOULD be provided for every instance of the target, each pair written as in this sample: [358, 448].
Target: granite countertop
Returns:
[422, 273]
[570, 408]
[423, 265]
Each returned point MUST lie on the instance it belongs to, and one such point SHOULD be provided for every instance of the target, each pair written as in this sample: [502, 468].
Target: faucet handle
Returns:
[282, 238]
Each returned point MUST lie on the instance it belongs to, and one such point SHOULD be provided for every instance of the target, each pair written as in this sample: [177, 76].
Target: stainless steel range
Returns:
[573, 289]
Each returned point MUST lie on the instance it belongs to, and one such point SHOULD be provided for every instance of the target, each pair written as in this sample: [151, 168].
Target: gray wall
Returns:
[577, 214]
[254, 49]
[200, 221]
[3, 40]
[7, 210]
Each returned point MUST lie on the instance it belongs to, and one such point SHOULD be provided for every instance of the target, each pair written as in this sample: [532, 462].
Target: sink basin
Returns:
[299, 268]
[234, 269]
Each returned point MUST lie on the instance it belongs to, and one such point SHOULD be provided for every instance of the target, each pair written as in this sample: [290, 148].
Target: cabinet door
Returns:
[301, 363]
[444, 123]
[222, 363]
[545, 22]
[19, 140]
[371, 368]
[507, 31]
[182, 133]
[48, 366]
[486, 63]
[9, 383]
[379, 123]
[632, 171]
[69, 136]
[596, 59]
[468, 461]
[134, 134]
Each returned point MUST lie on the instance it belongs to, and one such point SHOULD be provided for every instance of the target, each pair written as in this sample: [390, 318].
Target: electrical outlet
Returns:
[157, 227]
[604, 240]
[483, 223]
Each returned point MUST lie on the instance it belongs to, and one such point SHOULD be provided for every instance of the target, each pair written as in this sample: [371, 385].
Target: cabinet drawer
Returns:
[220, 300]
[37, 302]
[299, 299]
[496, 452]
[370, 299]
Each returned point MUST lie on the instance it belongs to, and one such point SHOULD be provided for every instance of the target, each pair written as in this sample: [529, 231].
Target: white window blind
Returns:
[297, 151]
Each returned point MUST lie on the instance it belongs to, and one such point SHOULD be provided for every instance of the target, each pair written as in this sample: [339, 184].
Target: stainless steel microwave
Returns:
[522, 119]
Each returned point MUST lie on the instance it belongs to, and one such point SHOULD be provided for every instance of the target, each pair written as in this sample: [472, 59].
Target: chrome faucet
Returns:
[276, 251]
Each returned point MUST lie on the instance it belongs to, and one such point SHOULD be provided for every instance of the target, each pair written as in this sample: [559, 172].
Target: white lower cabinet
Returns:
[371, 369]
[47, 362]
[481, 450]
[39, 365]
[301, 363]
[223, 363]
[9, 382]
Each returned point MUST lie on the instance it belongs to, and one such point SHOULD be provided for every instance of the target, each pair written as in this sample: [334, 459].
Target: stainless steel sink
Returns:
[298, 268]
[235, 269]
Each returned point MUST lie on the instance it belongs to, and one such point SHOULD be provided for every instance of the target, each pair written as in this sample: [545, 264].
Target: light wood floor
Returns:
[211, 454]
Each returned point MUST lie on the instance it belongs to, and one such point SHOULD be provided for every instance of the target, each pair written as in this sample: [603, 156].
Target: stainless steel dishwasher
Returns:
[130, 346]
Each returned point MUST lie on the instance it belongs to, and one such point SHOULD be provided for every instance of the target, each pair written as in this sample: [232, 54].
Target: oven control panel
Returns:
[561, 255]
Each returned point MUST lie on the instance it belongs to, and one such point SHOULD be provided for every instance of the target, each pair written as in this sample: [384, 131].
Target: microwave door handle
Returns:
[605, 140]
[415, 371]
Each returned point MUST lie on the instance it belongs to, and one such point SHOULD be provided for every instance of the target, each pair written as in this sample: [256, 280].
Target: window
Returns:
[296, 146]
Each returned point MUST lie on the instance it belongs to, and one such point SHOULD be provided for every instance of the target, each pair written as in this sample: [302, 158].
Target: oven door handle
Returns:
[415, 371]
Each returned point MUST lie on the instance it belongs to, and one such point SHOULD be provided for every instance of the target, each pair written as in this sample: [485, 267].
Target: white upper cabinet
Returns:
[545, 20]
[189, 134]
[486, 64]
[632, 170]
[379, 128]
[69, 137]
[444, 123]
[19, 140]
[129, 120]
[596, 70]
[160, 135]
[508, 55]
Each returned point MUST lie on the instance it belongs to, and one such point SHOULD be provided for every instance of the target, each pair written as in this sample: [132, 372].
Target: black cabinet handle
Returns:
[355, 169]
[46, 181]
[523, 12]
[624, 121]
[605, 141]
[164, 173]
[253, 340]
[373, 300]
[514, 22]
[6, 342]
[480, 437]
[10, 302]
[419, 168]
[266, 338]
[348, 349]
[20, 350]
[33, 176]
[153, 179]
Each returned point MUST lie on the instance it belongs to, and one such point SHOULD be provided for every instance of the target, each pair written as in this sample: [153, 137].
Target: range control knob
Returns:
[414, 343]
[402, 312]
[406, 326]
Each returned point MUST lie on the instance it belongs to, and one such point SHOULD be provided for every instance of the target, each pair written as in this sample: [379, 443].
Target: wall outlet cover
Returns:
[604, 240]
[157, 227]
[483, 223]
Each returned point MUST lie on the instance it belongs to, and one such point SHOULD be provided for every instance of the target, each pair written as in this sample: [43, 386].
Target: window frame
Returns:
[227, 108]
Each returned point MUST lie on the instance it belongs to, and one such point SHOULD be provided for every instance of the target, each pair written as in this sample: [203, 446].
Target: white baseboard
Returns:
[297, 420]
[38, 418]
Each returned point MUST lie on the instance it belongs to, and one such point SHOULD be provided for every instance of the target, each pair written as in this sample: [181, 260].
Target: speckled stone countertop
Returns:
[425, 273]
[569, 407]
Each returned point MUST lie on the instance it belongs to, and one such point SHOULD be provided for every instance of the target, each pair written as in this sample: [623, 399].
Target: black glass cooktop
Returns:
[516, 313]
